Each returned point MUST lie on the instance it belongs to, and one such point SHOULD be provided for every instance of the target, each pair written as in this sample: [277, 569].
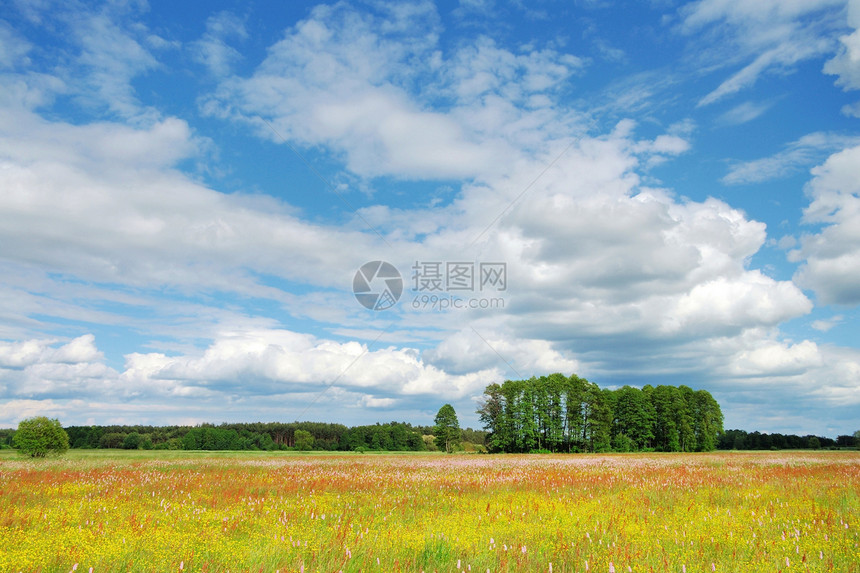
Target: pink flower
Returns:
[611, 567]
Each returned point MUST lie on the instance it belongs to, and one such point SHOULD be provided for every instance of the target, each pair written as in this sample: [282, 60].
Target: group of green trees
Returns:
[394, 436]
[547, 414]
[557, 413]
[743, 440]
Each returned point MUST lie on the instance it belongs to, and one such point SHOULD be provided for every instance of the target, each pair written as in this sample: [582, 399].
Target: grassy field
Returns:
[248, 511]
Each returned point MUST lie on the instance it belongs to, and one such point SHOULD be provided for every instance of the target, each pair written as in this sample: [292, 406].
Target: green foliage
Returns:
[447, 429]
[562, 414]
[304, 440]
[40, 436]
[6, 438]
[742, 440]
[393, 437]
[132, 441]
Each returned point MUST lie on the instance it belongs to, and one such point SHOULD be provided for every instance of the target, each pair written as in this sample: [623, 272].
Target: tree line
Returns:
[393, 436]
[557, 413]
[743, 440]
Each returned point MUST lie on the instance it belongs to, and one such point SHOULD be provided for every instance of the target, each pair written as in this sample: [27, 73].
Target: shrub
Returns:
[37, 437]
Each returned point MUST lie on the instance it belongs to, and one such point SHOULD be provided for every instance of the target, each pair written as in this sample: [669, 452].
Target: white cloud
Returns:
[212, 50]
[278, 361]
[831, 257]
[846, 64]
[31, 352]
[471, 350]
[851, 110]
[13, 48]
[776, 359]
[796, 156]
[607, 274]
[344, 80]
[108, 60]
[37, 368]
[826, 324]
[744, 113]
[762, 36]
[13, 411]
[750, 300]
[102, 202]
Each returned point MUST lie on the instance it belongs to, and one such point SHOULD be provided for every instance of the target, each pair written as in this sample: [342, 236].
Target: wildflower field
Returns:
[184, 511]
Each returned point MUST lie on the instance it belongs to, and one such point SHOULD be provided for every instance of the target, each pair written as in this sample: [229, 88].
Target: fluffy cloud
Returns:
[831, 257]
[103, 203]
[610, 275]
[347, 81]
[36, 368]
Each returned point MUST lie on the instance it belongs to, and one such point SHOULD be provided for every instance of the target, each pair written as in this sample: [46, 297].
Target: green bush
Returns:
[37, 437]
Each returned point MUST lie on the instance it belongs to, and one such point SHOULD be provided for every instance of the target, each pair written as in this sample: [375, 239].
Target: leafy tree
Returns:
[131, 441]
[447, 428]
[708, 420]
[37, 437]
[112, 440]
[634, 418]
[304, 440]
[666, 399]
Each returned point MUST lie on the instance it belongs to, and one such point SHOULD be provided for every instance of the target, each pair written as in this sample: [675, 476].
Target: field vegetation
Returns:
[138, 510]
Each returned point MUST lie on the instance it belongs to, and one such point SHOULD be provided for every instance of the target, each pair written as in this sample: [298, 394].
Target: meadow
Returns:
[190, 511]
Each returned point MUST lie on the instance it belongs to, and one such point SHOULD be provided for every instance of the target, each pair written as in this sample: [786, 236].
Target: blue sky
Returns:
[670, 190]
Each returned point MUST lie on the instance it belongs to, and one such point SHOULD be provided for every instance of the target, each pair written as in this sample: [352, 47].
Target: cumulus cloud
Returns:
[471, 350]
[38, 368]
[846, 64]
[345, 80]
[275, 362]
[102, 202]
[831, 257]
[601, 261]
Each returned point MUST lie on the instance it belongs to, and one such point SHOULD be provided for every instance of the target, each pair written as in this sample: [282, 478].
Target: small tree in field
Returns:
[37, 437]
[447, 428]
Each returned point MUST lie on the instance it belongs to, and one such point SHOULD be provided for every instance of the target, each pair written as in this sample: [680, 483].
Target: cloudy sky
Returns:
[648, 192]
